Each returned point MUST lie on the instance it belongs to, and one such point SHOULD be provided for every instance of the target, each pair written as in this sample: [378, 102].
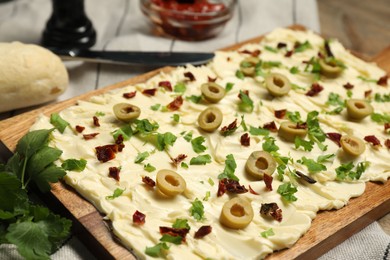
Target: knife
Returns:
[155, 59]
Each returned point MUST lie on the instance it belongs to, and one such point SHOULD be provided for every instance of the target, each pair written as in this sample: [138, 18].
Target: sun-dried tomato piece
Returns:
[254, 53]
[139, 218]
[252, 191]
[367, 93]
[96, 121]
[305, 177]
[166, 85]
[129, 95]
[234, 186]
[178, 159]
[271, 126]
[113, 172]
[189, 75]
[280, 113]
[268, 181]
[106, 152]
[226, 130]
[202, 232]
[382, 81]
[289, 53]
[149, 91]
[175, 104]
[221, 188]
[245, 140]
[90, 136]
[348, 86]
[271, 210]
[387, 127]
[335, 137]
[80, 128]
[320, 55]
[372, 140]
[148, 181]
[387, 143]
[210, 79]
[314, 90]
[119, 141]
[182, 232]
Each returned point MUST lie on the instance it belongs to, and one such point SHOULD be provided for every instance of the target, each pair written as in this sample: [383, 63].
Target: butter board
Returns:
[328, 229]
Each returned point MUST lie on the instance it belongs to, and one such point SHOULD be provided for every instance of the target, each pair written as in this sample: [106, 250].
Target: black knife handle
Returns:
[69, 26]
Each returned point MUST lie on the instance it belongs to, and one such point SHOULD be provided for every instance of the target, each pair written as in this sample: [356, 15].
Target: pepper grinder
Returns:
[68, 26]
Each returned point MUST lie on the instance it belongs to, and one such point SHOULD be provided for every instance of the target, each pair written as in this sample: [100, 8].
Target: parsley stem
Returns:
[24, 185]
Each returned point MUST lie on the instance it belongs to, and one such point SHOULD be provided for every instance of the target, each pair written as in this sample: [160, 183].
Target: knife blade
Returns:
[155, 59]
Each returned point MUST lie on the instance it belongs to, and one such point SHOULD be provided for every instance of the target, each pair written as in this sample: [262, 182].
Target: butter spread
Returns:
[329, 192]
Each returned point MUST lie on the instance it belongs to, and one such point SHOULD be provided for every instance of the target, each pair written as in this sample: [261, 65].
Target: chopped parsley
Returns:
[269, 144]
[380, 118]
[258, 131]
[315, 132]
[176, 118]
[99, 113]
[149, 168]
[206, 198]
[267, 233]
[58, 122]
[230, 167]
[240, 74]
[312, 165]
[294, 117]
[294, 70]
[344, 171]
[157, 250]
[155, 107]
[300, 47]
[188, 136]
[306, 145]
[270, 49]
[197, 144]
[382, 98]
[184, 165]
[141, 157]
[180, 87]
[367, 79]
[165, 140]
[200, 160]
[171, 239]
[126, 131]
[287, 191]
[211, 182]
[117, 192]
[144, 126]
[194, 99]
[229, 86]
[197, 210]
[246, 104]
[181, 223]
[74, 165]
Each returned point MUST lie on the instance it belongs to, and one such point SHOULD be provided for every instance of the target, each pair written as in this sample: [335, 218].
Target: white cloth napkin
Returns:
[120, 25]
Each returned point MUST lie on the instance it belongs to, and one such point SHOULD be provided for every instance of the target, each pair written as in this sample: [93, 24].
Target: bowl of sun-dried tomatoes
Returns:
[190, 20]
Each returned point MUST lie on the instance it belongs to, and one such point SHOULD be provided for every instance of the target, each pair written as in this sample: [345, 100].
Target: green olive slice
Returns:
[236, 213]
[358, 108]
[248, 66]
[289, 130]
[126, 112]
[277, 84]
[260, 163]
[170, 183]
[212, 92]
[352, 145]
[330, 69]
[210, 119]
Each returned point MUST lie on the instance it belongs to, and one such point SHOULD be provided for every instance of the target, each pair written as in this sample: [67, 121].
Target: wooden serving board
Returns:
[328, 229]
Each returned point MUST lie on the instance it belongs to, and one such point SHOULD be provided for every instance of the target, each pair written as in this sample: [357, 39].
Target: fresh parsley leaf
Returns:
[382, 98]
[74, 165]
[144, 126]
[315, 132]
[270, 49]
[197, 144]
[269, 144]
[165, 140]
[13, 199]
[325, 158]
[258, 131]
[200, 160]
[246, 104]
[157, 250]
[197, 210]
[270, 64]
[155, 107]
[171, 239]
[240, 74]
[312, 166]
[194, 99]
[334, 99]
[176, 118]
[30, 143]
[126, 131]
[188, 136]
[141, 157]
[344, 171]
[180, 87]
[206, 198]
[230, 167]
[211, 182]
[294, 117]
[306, 145]
[287, 191]
[380, 118]
[99, 113]
[229, 86]
[117, 192]
[367, 79]
[149, 168]
[181, 223]
[349, 93]
[58, 122]
[243, 124]
[184, 165]
[267, 233]
[300, 47]
[294, 70]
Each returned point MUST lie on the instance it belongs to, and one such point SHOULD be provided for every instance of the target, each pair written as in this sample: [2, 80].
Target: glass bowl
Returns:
[190, 20]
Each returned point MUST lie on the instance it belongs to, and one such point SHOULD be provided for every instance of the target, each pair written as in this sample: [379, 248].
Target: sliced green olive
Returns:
[260, 162]
[358, 108]
[289, 130]
[352, 145]
[248, 66]
[236, 213]
[330, 69]
[210, 119]
[212, 92]
[126, 112]
[170, 183]
[277, 84]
